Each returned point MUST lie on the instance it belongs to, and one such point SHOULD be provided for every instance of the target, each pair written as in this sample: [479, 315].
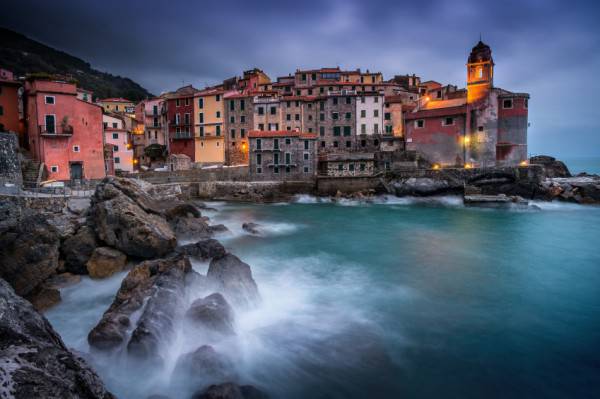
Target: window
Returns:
[306, 156]
[306, 144]
[335, 116]
[335, 144]
[347, 131]
[388, 129]
[200, 103]
[243, 119]
[276, 158]
[242, 133]
[218, 97]
[310, 92]
[54, 169]
[306, 169]
[348, 115]
[376, 128]
[321, 131]
[276, 170]
[258, 159]
[321, 90]
[348, 144]
[233, 133]
[232, 119]
[387, 116]
[2, 111]
[303, 76]
[261, 126]
[526, 103]
[363, 113]
[288, 141]
[351, 167]
[322, 144]
[310, 117]
[340, 167]
[177, 102]
[218, 113]
[334, 99]
[49, 100]
[287, 169]
[201, 131]
[419, 123]
[336, 131]
[348, 100]
[288, 117]
[362, 167]
[362, 99]
[177, 119]
[376, 113]
[507, 104]
[117, 160]
[75, 148]
[187, 101]
[297, 117]
[375, 143]
[288, 158]
[201, 117]
[363, 143]
[242, 104]
[115, 125]
[297, 103]
[261, 111]
[480, 72]
[322, 117]
[313, 76]
[186, 118]
[376, 99]
[258, 170]
[115, 148]
[258, 144]
[276, 144]
[273, 110]
[50, 124]
[231, 105]
[480, 128]
[115, 136]
[448, 121]
[218, 132]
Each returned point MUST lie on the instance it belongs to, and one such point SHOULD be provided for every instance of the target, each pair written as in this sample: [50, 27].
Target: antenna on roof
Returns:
[479, 36]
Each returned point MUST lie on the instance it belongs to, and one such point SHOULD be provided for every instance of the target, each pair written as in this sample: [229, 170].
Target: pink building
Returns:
[117, 139]
[65, 133]
[154, 143]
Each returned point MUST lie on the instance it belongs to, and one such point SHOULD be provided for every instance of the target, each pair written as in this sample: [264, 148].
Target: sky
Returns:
[548, 48]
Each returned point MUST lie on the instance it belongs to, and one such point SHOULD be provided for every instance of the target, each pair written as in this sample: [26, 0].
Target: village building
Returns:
[152, 147]
[9, 103]
[357, 164]
[481, 126]
[337, 121]
[118, 138]
[209, 112]
[65, 133]
[282, 155]
[239, 121]
[85, 95]
[369, 120]
[181, 120]
[119, 105]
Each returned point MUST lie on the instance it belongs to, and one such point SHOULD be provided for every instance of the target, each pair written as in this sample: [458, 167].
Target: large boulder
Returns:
[141, 283]
[29, 250]
[78, 248]
[35, 361]
[203, 249]
[552, 166]
[212, 314]
[230, 390]
[105, 262]
[424, 186]
[125, 217]
[232, 277]
[203, 367]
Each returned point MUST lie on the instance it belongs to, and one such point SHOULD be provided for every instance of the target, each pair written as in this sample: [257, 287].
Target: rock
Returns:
[156, 324]
[232, 277]
[126, 218]
[218, 228]
[44, 298]
[78, 206]
[552, 167]
[424, 186]
[252, 228]
[203, 249]
[139, 284]
[203, 367]
[35, 361]
[213, 314]
[182, 210]
[105, 262]
[230, 390]
[66, 225]
[62, 280]
[29, 252]
[78, 248]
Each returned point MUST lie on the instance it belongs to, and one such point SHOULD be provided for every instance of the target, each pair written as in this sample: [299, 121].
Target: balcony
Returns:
[56, 131]
[183, 136]
[180, 123]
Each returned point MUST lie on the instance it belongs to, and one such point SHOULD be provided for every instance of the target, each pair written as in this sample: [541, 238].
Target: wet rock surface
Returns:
[35, 362]
[252, 228]
[233, 278]
[212, 313]
[203, 249]
[141, 283]
[423, 186]
[105, 262]
[552, 166]
[78, 248]
[203, 367]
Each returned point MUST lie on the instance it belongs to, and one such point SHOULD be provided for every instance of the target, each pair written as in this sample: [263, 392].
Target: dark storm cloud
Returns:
[548, 48]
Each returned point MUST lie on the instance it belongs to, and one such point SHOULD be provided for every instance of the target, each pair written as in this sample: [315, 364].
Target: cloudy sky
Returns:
[550, 49]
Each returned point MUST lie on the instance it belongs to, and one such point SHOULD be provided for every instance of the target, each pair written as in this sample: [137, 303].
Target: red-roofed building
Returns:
[9, 103]
[180, 119]
[282, 155]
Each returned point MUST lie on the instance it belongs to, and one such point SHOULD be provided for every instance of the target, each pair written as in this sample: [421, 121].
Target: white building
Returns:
[369, 113]
[116, 134]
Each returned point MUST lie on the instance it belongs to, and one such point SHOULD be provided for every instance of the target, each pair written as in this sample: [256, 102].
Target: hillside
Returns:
[22, 55]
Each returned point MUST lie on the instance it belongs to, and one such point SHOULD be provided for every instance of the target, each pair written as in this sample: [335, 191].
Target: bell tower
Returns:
[480, 72]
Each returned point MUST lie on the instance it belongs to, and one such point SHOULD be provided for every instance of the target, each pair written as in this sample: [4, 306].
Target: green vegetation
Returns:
[26, 57]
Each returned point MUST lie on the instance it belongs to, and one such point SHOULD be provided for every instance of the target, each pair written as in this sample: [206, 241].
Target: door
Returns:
[50, 124]
[76, 171]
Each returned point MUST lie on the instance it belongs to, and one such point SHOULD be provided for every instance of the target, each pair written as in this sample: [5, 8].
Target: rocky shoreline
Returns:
[123, 224]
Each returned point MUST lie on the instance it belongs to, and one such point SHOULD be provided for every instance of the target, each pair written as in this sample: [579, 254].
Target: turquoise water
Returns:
[406, 298]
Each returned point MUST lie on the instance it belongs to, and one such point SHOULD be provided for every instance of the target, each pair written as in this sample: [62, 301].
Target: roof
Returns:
[185, 91]
[115, 100]
[280, 133]
[480, 53]
[436, 113]
[437, 104]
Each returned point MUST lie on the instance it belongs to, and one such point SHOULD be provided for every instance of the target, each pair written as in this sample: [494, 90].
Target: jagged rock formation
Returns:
[203, 249]
[105, 262]
[78, 249]
[233, 278]
[212, 314]
[35, 362]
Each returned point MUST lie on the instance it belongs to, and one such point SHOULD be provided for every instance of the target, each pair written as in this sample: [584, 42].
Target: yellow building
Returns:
[208, 129]
[119, 105]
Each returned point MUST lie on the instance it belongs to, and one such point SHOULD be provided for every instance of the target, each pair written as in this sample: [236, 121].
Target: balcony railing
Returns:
[56, 131]
[183, 135]
[180, 123]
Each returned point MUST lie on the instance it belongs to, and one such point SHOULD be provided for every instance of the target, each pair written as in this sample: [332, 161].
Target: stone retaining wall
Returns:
[41, 204]
[10, 167]
[194, 175]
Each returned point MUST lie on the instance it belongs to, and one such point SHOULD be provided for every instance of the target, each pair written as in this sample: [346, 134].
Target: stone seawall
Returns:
[264, 191]
[41, 204]
[194, 175]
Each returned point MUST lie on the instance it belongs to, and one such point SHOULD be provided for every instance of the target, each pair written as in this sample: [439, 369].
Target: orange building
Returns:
[9, 102]
[65, 133]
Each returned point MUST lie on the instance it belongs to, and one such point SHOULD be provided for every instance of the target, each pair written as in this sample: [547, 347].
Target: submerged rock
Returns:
[203, 367]
[252, 228]
[141, 283]
[44, 298]
[183, 210]
[230, 390]
[35, 361]
[78, 248]
[62, 280]
[29, 249]
[203, 249]
[552, 166]
[105, 262]
[212, 313]
[232, 277]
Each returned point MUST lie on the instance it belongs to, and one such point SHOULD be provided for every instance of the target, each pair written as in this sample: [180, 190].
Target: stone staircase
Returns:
[30, 170]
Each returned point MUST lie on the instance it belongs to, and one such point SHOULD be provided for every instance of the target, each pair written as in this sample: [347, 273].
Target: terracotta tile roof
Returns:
[115, 100]
[437, 104]
[280, 133]
[436, 113]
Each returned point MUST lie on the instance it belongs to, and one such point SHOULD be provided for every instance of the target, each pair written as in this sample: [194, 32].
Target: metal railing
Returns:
[54, 130]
